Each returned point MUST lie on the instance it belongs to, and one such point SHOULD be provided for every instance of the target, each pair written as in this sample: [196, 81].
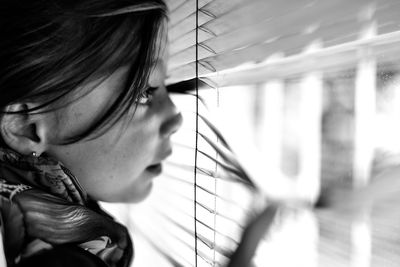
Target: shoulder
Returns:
[63, 256]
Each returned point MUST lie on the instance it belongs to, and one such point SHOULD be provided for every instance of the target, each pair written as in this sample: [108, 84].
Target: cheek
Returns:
[133, 152]
[125, 162]
[112, 167]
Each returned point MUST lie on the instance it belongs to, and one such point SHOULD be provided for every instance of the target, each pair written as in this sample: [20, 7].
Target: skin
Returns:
[114, 166]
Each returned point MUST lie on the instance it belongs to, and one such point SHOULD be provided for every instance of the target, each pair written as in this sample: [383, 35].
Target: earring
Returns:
[34, 154]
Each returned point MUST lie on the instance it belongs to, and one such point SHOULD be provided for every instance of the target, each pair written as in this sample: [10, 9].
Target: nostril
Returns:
[171, 125]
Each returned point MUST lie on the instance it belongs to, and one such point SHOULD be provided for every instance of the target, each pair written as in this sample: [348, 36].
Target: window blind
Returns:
[257, 29]
[296, 85]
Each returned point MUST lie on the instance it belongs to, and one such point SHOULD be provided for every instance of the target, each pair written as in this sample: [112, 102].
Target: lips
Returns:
[155, 168]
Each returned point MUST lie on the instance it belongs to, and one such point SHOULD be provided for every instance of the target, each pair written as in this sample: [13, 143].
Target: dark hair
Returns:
[51, 47]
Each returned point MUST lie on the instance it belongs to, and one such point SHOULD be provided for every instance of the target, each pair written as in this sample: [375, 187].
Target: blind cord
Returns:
[197, 130]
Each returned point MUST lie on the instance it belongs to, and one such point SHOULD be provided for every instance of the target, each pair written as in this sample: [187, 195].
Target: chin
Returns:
[135, 192]
[138, 196]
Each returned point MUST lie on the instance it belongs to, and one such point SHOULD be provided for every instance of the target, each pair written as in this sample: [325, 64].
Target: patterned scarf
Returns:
[42, 205]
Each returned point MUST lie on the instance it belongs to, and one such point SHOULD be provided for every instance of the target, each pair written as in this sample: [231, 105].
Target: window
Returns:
[306, 92]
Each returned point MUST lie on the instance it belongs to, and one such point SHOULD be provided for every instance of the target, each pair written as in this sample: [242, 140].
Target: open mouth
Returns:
[156, 168]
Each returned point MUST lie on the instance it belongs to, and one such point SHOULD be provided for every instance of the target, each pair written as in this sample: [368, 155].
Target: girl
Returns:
[82, 84]
[85, 117]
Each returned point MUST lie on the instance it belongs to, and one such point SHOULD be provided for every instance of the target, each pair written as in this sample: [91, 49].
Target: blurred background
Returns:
[307, 92]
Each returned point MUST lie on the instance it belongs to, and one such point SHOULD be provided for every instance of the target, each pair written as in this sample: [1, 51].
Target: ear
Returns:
[22, 131]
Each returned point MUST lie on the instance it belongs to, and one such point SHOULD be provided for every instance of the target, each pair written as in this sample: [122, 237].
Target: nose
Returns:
[173, 121]
[171, 125]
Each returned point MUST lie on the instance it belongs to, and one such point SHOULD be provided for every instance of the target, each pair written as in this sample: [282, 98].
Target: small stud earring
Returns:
[34, 154]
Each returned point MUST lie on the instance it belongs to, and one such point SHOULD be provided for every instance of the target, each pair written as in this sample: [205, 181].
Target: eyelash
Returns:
[146, 97]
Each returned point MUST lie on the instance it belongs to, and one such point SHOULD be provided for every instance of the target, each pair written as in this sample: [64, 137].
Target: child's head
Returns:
[75, 78]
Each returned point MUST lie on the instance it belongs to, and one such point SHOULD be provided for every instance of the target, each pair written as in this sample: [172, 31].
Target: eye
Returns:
[146, 97]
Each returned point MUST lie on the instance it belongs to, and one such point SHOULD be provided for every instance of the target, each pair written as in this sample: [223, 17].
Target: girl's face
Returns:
[118, 166]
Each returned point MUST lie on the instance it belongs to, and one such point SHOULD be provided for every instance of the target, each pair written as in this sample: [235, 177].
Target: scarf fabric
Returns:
[42, 206]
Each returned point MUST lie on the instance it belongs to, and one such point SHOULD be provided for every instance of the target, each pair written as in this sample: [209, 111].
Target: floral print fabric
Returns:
[42, 205]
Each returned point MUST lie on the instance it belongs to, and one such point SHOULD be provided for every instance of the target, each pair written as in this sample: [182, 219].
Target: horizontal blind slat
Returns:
[166, 254]
[340, 57]
[152, 233]
[334, 27]
[186, 26]
[237, 204]
[297, 23]
[388, 18]
[210, 210]
[338, 32]
[185, 10]
[220, 175]
[174, 4]
[210, 244]
[210, 11]
[294, 44]
[236, 19]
